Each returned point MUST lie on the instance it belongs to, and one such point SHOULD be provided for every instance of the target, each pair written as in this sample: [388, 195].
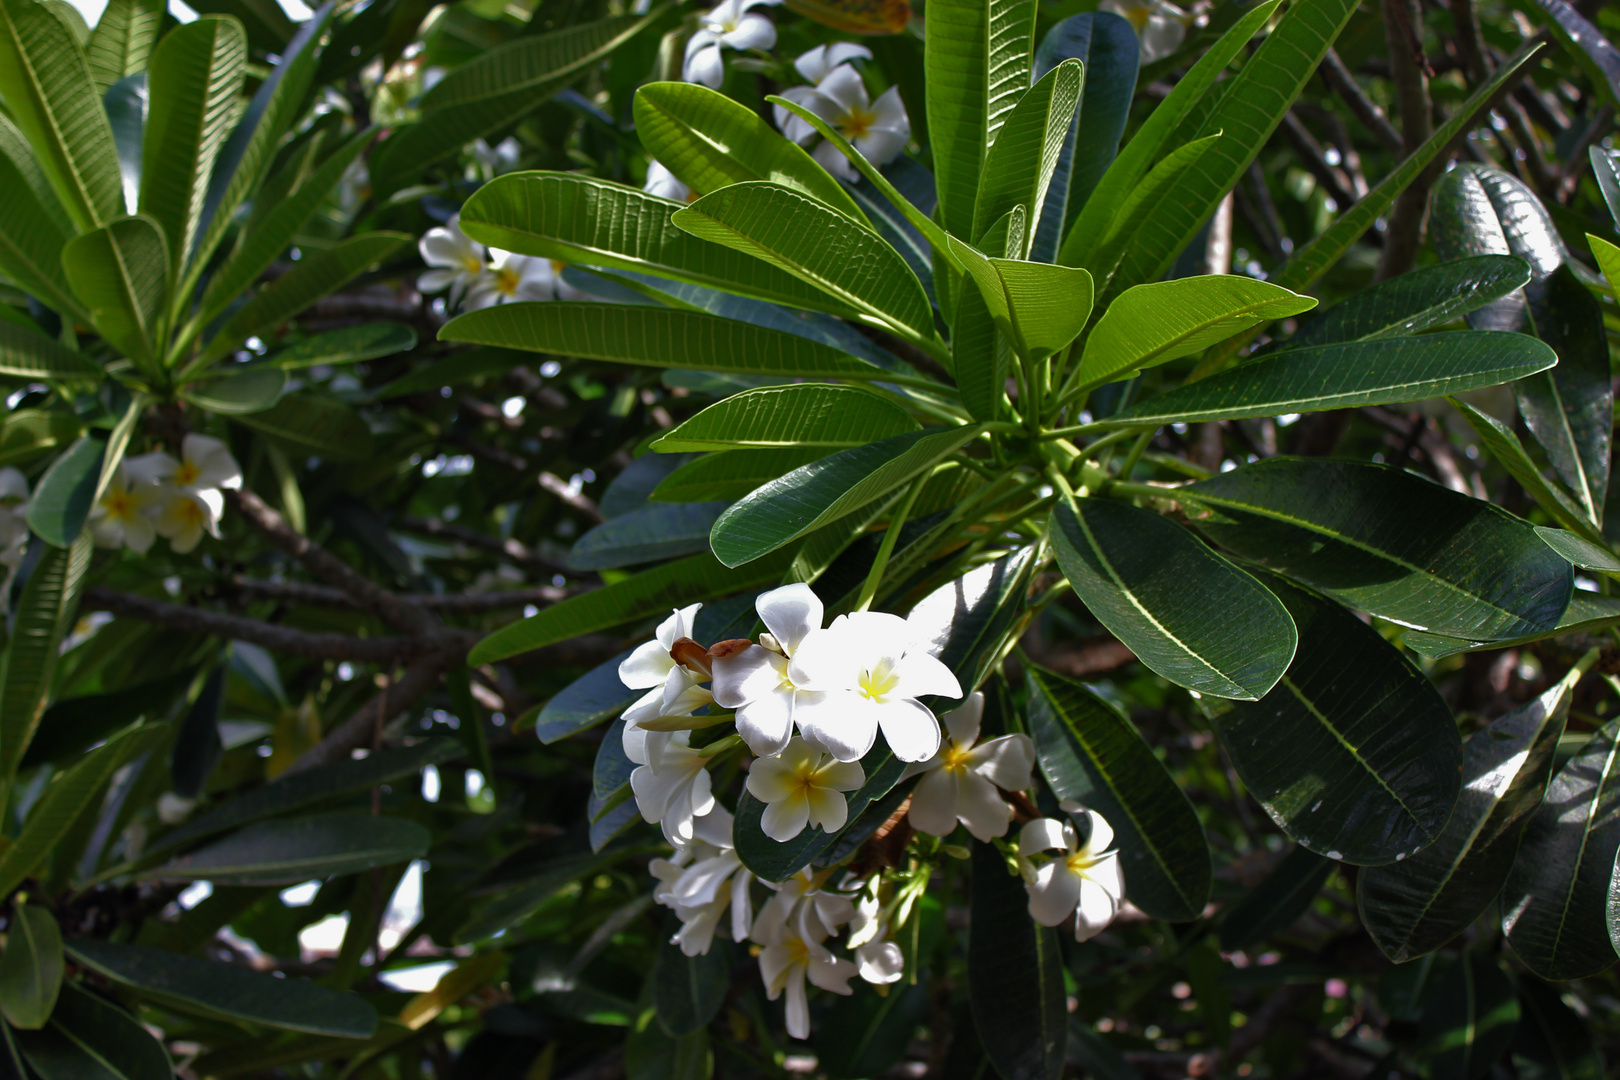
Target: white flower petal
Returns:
[933, 803]
[1006, 762]
[826, 660]
[845, 724]
[798, 1009]
[962, 723]
[1102, 833]
[880, 962]
[1096, 908]
[826, 808]
[881, 145]
[790, 614]
[909, 728]
[833, 974]
[843, 84]
[766, 722]
[746, 675]
[754, 31]
[981, 808]
[1053, 894]
[649, 665]
[786, 818]
[832, 159]
[918, 674]
[1044, 834]
[704, 67]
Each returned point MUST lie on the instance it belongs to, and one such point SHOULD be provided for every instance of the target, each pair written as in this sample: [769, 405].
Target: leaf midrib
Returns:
[1352, 750]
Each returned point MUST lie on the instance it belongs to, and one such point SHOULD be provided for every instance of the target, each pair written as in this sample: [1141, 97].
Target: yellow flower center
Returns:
[877, 681]
[956, 759]
[119, 505]
[189, 512]
[857, 123]
[507, 281]
[1080, 862]
[471, 263]
[798, 950]
[186, 474]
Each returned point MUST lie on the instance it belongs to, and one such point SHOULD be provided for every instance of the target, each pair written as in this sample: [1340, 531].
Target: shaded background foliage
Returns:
[456, 482]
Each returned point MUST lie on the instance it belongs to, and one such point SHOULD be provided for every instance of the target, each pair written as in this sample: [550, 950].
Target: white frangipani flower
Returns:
[871, 670]
[879, 959]
[757, 681]
[799, 955]
[514, 278]
[803, 889]
[672, 786]
[205, 462]
[123, 514]
[184, 514]
[818, 63]
[1071, 879]
[730, 24]
[459, 259]
[664, 184]
[959, 783]
[651, 667]
[1160, 26]
[879, 130]
[500, 158]
[702, 881]
[802, 786]
[13, 518]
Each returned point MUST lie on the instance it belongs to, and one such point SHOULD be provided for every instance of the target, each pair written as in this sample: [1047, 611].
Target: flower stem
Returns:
[890, 535]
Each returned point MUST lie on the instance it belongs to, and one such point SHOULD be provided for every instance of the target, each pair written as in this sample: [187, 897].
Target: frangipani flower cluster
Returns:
[1068, 879]
[480, 277]
[810, 702]
[879, 130]
[156, 495]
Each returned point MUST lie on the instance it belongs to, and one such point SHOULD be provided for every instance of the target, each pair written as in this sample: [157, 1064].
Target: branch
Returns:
[1343, 83]
[1410, 70]
[557, 486]
[315, 646]
[512, 549]
[357, 731]
[1315, 159]
[328, 567]
[296, 592]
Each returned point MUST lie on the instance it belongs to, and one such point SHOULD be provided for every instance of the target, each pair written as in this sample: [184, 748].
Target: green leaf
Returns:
[31, 970]
[304, 423]
[827, 417]
[1015, 976]
[1584, 42]
[204, 988]
[656, 337]
[1390, 543]
[865, 1035]
[1586, 612]
[1248, 111]
[247, 154]
[1469, 1018]
[1415, 301]
[120, 273]
[689, 990]
[650, 1053]
[1570, 409]
[710, 142]
[1183, 610]
[1580, 551]
[1107, 46]
[195, 78]
[1135, 210]
[977, 57]
[1041, 307]
[584, 703]
[73, 725]
[646, 535]
[1552, 1043]
[581, 219]
[237, 393]
[1354, 753]
[33, 225]
[1505, 449]
[1153, 324]
[350, 345]
[1091, 753]
[297, 849]
[121, 43]
[64, 495]
[1151, 142]
[1416, 905]
[1481, 210]
[1018, 168]
[1555, 900]
[698, 577]
[52, 97]
[1277, 902]
[126, 103]
[197, 745]
[314, 277]
[1380, 372]
[271, 234]
[65, 799]
[496, 89]
[731, 475]
[309, 787]
[1607, 172]
[28, 355]
[89, 1038]
[824, 491]
[815, 244]
[27, 433]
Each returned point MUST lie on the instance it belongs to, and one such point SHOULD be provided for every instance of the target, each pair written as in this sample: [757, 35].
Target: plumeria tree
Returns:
[996, 538]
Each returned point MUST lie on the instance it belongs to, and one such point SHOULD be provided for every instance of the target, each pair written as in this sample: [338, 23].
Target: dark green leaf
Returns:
[297, 849]
[826, 490]
[120, 273]
[73, 725]
[65, 494]
[241, 392]
[1183, 610]
[689, 990]
[1469, 1018]
[1390, 543]
[1481, 210]
[31, 969]
[585, 702]
[1354, 753]
[27, 433]
[1580, 551]
[865, 1035]
[1277, 902]
[350, 345]
[645, 535]
[28, 355]
[1586, 612]
[1554, 905]
[305, 423]
[1089, 752]
[730, 475]
[1416, 301]
[1552, 1043]
[45, 614]
[1015, 976]
[655, 337]
[90, 1039]
[197, 745]
[825, 417]
[1507, 451]
[1379, 372]
[1418, 904]
[1018, 166]
[1584, 42]
[204, 988]
[33, 225]
[121, 43]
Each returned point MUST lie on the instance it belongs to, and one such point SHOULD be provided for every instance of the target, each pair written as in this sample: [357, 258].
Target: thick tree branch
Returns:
[328, 567]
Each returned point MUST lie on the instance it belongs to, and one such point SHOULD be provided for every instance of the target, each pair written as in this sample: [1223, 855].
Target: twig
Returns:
[512, 549]
[1474, 61]
[334, 571]
[1410, 70]
[386, 650]
[295, 592]
[557, 486]
[356, 732]
[1315, 160]
[1569, 176]
[1343, 83]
